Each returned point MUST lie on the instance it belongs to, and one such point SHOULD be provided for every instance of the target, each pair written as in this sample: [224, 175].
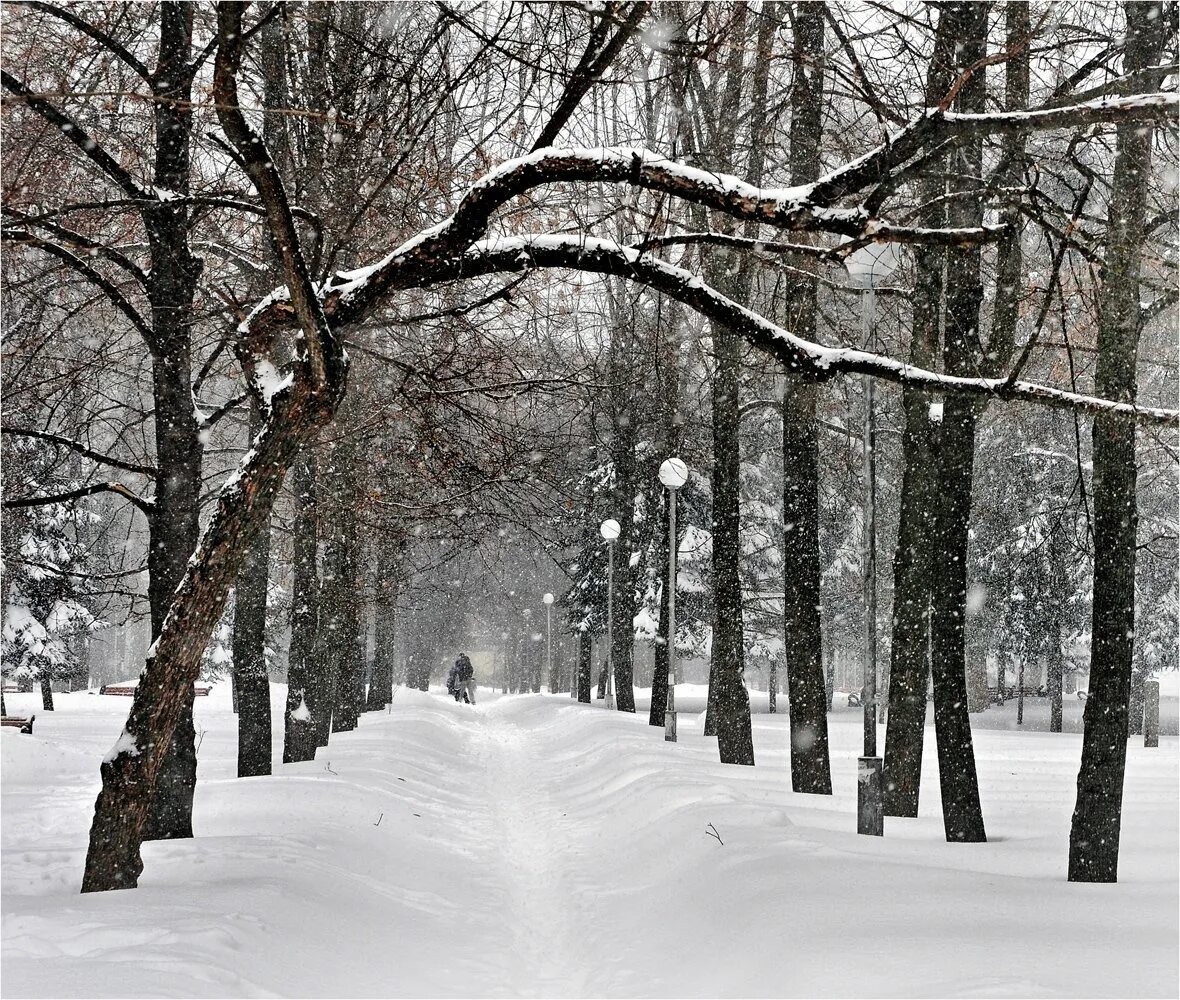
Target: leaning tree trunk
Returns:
[130, 771]
[299, 740]
[251, 678]
[1094, 833]
[802, 635]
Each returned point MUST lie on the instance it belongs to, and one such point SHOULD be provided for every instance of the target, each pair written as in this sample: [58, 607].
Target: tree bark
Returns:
[585, 666]
[1094, 832]
[293, 417]
[385, 631]
[909, 661]
[955, 458]
[802, 635]
[46, 692]
[251, 679]
[299, 737]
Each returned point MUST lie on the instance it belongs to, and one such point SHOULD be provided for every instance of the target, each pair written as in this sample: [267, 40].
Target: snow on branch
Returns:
[816, 360]
[444, 251]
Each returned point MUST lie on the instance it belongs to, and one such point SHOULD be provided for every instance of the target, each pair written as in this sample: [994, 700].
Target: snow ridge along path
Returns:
[530, 846]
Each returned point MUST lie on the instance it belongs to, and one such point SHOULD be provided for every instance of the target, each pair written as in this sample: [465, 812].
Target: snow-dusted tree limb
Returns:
[103, 39]
[81, 449]
[348, 296]
[119, 489]
[89, 273]
[814, 360]
[68, 237]
[76, 134]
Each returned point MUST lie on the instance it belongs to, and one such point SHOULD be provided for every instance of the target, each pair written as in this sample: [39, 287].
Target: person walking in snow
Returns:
[461, 680]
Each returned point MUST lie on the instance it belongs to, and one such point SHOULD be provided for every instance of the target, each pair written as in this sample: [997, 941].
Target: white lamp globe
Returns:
[673, 473]
[870, 265]
[609, 529]
[547, 599]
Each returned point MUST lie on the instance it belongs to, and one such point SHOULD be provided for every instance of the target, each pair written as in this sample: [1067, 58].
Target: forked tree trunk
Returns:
[909, 662]
[1097, 817]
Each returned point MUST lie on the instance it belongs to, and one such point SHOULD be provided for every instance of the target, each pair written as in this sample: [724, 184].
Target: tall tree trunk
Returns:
[955, 461]
[348, 637]
[299, 740]
[626, 488]
[1094, 833]
[174, 524]
[251, 679]
[909, 661]
[802, 637]
[730, 701]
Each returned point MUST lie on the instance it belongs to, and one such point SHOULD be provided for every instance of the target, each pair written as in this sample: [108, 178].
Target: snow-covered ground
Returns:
[530, 846]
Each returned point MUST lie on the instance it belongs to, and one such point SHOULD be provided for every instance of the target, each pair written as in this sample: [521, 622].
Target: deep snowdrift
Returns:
[531, 846]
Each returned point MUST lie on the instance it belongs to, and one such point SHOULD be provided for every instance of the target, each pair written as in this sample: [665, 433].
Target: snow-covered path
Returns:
[533, 847]
[529, 841]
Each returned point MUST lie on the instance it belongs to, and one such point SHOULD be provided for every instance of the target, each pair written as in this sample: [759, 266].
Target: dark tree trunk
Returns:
[802, 637]
[384, 639]
[727, 689]
[1094, 833]
[348, 637]
[299, 740]
[955, 461]
[585, 666]
[251, 679]
[46, 693]
[174, 524]
[803, 644]
[909, 662]
[131, 771]
[623, 506]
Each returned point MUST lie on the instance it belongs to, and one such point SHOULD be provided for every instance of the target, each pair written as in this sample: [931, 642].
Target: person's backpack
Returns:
[452, 679]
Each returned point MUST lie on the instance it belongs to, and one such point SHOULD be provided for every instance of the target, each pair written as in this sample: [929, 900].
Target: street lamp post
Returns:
[547, 600]
[867, 267]
[609, 529]
[673, 474]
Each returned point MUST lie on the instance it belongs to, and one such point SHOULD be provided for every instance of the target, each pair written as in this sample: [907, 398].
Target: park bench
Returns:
[18, 722]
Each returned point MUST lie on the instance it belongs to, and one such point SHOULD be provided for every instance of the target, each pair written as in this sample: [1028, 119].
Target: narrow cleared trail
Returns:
[533, 857]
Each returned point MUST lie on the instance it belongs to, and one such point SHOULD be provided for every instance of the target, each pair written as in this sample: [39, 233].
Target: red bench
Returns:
[17, 722]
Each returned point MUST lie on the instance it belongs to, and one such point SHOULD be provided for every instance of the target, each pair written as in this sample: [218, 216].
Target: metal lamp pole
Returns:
[548, 602]
[609, 529]
[673, 474]
[867, 266]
